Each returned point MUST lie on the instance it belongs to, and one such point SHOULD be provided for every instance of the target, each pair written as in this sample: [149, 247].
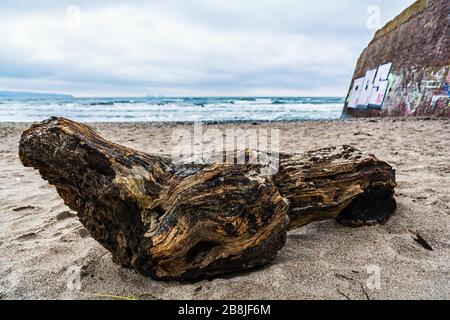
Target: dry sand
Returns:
[40, 238]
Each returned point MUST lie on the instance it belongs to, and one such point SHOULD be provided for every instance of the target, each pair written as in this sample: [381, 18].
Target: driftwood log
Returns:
[184, 221]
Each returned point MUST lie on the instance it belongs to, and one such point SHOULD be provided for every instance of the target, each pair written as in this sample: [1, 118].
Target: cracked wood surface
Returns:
[190, 221]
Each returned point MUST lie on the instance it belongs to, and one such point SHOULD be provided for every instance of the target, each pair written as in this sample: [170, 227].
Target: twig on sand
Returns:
[354, 280]
[343, 294]
[114, 297]
[364, 290]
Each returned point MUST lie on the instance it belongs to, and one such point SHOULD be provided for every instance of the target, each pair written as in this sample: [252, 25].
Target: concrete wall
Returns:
[405, 69]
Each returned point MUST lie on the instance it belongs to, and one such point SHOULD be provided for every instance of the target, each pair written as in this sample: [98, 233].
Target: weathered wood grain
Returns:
[185, 221]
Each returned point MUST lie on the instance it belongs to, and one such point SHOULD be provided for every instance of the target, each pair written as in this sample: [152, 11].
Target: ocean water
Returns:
[157, 109]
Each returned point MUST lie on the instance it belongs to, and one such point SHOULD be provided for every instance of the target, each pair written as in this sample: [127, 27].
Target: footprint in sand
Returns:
[83, 233]
[27, 236]
[19, 209]
[68, 238]
[65, 215]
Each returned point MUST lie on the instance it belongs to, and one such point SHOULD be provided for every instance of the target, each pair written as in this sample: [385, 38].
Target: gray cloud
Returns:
[194, 47]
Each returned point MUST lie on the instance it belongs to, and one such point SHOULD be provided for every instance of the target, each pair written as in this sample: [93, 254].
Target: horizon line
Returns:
[165, 96]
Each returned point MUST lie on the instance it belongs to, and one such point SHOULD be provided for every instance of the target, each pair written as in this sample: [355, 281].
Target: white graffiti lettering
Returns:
[370, 91]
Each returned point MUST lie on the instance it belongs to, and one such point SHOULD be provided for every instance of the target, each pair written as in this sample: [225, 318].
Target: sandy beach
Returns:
[41, 239]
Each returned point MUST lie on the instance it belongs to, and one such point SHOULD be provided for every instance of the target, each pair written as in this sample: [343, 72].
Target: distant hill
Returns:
[31, 95]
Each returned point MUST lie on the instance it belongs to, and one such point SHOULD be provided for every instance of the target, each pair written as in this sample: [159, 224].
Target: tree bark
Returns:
[186, 221]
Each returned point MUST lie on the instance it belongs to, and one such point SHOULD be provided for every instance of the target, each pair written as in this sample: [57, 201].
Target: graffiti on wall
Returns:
[447, 84]
[438, 87]
[370, 90]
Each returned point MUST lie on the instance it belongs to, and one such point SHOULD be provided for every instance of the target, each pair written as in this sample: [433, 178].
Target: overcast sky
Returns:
[186, 47]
